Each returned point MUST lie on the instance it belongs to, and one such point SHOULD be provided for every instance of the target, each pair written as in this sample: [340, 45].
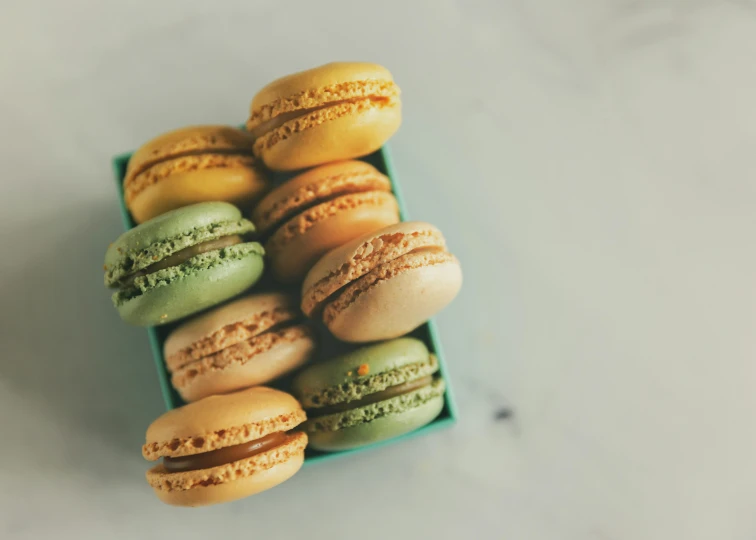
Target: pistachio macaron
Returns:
[333, 112]
[191, 165]
[225, 447]
[247, 342]
[182, 262]
[383, 284]
[370, 394]
[319, 210]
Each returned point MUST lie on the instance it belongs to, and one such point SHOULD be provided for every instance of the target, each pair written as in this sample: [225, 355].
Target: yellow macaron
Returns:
[333, 112]
[225, 447]
[191, 165]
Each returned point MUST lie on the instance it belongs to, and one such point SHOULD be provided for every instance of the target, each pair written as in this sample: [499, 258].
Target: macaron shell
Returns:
[380, 429]
[337, 375]
[255, 313]
[253, 369]
[194, 292]
[288, 462]
[238, 185]
[314, 79]
[188, 139]
[222, 420]
[354, 259]
[343, 219]
[315, 186]
[171, 232]
[394, 306]
[339, 132]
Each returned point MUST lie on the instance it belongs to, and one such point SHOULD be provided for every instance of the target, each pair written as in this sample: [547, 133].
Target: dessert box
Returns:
[328, 345]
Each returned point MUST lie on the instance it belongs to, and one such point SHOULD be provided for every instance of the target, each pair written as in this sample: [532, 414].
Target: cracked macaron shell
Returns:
[168, 233]
[363, 371]
[192, 165]
[333, 112]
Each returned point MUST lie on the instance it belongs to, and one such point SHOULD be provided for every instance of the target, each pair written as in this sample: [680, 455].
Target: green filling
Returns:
[368, 413]
[360, 387]
[134, 261]
[198, 263]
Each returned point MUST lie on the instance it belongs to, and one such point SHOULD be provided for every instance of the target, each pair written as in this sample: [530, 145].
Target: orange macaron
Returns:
[319, 210]
[225, 447]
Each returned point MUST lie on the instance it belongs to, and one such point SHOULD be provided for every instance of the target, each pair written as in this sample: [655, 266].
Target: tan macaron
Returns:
[319, 210]
[250, 341]
[333, 112]
[192, 165]
[383, 284]
[226, 447]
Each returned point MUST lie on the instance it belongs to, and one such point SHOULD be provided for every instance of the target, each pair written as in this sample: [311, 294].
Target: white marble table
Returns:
[593, 165]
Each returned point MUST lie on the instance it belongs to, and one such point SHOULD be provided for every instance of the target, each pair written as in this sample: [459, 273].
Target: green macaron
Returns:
[370, 394]
[182, 262]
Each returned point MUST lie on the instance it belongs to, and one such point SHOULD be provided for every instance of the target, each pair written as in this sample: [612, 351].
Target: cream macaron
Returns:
[192, 165]
[319, 210]
[226, 447]
[250, 341]
[333, 112]
[383, 284]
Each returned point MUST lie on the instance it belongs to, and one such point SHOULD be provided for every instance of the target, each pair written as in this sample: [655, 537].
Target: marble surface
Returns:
[592, 164]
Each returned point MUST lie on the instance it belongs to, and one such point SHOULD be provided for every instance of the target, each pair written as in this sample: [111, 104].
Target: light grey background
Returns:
[592, 165]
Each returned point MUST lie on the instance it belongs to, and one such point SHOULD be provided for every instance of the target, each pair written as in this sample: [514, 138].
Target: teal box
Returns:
[427, 332]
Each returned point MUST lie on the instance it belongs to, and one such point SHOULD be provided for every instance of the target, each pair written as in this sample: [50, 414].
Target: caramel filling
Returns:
[388, 393]
[184, 255]
[226, 455]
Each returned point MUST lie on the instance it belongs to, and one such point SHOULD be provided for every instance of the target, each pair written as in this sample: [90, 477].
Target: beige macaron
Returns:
[250, 341]
[320, 209]
[225, 447]
[192, 165]
[341, 110]
[384, 284]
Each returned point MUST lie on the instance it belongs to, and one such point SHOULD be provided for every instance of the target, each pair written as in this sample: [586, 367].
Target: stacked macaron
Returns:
[333, 233]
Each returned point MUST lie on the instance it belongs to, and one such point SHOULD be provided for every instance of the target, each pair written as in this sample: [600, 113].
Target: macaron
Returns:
[247, 342]
[333, 112]
[192, 165]
[320, 209]
[383, 284]
[370, 394]
[182, 262]
[225, 447]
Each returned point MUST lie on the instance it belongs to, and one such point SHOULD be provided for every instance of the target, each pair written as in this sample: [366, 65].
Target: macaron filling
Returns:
[388, 393]
[275, 115]
[183, 255]
[226, 455]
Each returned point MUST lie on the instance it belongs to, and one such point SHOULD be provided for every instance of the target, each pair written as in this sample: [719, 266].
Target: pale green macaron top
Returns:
[205, 260]
[370, 394]
[169, 233]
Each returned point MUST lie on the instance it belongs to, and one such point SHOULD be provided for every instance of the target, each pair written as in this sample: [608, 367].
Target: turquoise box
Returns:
[427, 332]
